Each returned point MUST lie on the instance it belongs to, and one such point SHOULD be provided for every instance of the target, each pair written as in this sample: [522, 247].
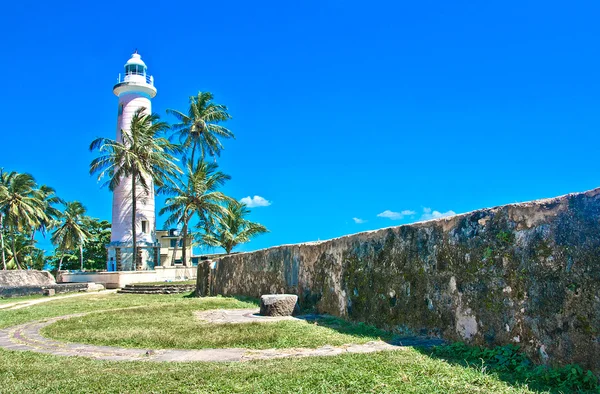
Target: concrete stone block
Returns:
[278, 304]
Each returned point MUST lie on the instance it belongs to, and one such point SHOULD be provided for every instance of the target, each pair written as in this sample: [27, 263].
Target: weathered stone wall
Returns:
[524, 273]
[18, 283]
[20, 291]
[26, 278]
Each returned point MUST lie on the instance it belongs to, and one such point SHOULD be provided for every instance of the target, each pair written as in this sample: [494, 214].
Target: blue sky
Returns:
[341, 109]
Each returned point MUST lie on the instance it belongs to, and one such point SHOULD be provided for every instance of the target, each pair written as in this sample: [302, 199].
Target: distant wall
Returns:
[20, 291]
[26, 278]
[18, 283]
[523, 273]
[119, 279]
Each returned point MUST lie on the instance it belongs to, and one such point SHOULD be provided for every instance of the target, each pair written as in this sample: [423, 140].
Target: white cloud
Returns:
[359, 220]
[395, 215]
[429, 214]
[256, 201]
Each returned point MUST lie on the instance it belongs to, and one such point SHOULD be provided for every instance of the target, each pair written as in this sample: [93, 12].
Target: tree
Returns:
[62, 260]
[70, 233]
[232, 228]
[26, 253]
[94, 250]
[200, 130]
[49, 199]
[21, 206]
[197, 195]
[143, 157]
[3, 197]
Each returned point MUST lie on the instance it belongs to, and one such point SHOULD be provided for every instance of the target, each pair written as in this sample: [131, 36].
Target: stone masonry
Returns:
[524, 273]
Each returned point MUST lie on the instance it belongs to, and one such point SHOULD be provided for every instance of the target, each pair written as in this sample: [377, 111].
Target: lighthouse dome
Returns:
[136, 59]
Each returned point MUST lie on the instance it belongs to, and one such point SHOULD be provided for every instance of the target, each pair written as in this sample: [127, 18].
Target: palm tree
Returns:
[49, 198]
[232, 229]
[27, 254]
[71, 233]
[200, 130]
[198, 195]
[21, 206]
[142, 156]
[23, 247]
[3, 197]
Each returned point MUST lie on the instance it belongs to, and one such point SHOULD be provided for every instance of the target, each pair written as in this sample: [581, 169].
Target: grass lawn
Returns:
[19, 299]
[166, 326]
[388, 372]
[99, 302]
[408, 371]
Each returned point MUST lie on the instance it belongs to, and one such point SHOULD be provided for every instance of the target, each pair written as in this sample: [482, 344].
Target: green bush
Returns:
[509, 360]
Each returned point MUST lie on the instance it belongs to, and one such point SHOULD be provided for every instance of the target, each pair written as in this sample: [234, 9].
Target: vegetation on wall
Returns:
[509, 362]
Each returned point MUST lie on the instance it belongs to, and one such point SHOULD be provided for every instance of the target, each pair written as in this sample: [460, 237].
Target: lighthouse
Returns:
[135, 89]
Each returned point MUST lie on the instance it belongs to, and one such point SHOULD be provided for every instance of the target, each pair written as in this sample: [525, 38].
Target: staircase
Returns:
[167, 288]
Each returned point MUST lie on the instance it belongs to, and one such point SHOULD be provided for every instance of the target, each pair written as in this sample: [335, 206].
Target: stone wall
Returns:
[26, 278]
[18, 283]
[523, 273]
[20, 291]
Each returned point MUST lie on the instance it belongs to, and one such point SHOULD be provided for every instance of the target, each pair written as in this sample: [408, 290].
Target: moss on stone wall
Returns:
[523, 273]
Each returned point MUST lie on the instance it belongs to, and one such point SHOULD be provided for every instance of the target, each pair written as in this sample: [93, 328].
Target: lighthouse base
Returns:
[120, 256]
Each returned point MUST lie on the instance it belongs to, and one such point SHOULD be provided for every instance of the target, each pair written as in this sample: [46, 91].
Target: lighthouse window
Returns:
[144, 226]
[135, 69]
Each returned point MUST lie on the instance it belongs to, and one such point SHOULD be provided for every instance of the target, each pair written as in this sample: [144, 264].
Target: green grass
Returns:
[98, 302]
[387, 372]
[170, 326]
[407, 371]
[19, 299]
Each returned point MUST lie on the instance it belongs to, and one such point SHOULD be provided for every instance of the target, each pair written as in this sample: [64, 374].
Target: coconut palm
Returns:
[60, 259]
[27, 254]
[95, 247]
[70, 233]
[143, 157]
[232, 228]
[49, 198]
[197, 195]
[3, 197]
[21, 206]
[23, 247]
[199, 130]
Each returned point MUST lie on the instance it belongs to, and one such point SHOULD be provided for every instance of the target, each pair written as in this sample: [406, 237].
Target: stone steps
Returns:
[157, 289]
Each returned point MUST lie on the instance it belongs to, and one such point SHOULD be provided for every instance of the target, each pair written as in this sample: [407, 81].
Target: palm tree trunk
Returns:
[62, 256]
[2, 243]
[184, 242]
[81, 256]
[14, 251]
[133, 229]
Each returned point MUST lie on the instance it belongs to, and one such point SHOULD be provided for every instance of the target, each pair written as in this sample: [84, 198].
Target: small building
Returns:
[171, 252]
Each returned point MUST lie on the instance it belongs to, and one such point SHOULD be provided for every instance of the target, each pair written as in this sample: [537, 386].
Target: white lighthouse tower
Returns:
[135, 89]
